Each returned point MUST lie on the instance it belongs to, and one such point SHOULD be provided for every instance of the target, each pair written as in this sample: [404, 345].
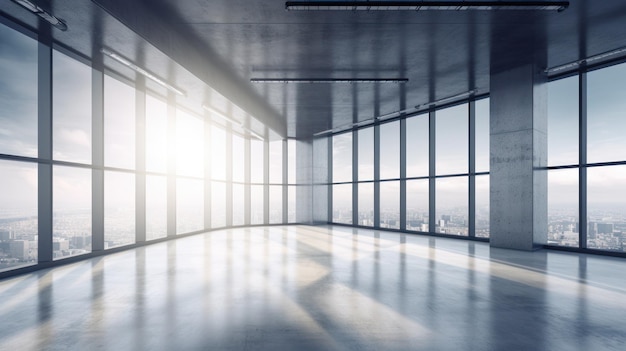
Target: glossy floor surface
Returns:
[319, 288]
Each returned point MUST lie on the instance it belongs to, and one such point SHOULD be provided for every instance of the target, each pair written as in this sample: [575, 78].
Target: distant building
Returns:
[5, 235]
[20, 250]
[61, 245]
[592, 230]
[606, 228]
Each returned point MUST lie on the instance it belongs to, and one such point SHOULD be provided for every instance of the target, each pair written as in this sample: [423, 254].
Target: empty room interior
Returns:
[312, 175]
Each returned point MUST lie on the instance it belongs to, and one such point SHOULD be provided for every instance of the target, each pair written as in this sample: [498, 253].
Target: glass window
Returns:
[189, 205]
[342, 158]
[390, 204]
[238, 159]
[563, 207]
[390, 150]
[451, 205]
[72, 109]
[256, 204]
[256, 161]
[18, 214]
[156, 135]
[342, 203]
[482, 207]
[606, 120]
[276, 162]
[119, 209]
[417, 204]
[218, 199]
[18, 115]
[190, 145]
[119, 124]
[291, 161]
[71, 233]
[563, 122]
[366, 204]
[218, 158]
[366, 153]
[606, 208]
[417, 147]
[156, 207]
[482, 115]
[291, 204]
[276, 204]
[452, 140]
[238, 204]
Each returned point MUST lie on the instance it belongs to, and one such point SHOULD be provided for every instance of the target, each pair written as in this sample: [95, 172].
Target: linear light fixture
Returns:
[329, 80]
[327, 131]
[220, 115]
[445, 100]
[48, 17]
[126, 62]
[425, 5]
[364, 122]
[591, 59]
[395, 114]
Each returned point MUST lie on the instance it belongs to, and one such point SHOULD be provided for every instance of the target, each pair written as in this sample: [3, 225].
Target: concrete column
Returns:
[247, 178]
[228, 149]
[208, 172]
[285, 177]
[518, 131]
[266, 177]
[97, 156]
[355, 177]
[321, 191]
[171, 165]
[44, 189]
[140, 159]
[310, 170]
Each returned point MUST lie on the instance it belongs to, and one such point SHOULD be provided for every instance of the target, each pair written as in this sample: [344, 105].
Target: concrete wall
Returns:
[320, 211]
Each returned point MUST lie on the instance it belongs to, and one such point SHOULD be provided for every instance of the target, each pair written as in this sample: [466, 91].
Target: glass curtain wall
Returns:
[453, 133]
[18, 137]
[342, 178]
[95, 202]
[587, 166]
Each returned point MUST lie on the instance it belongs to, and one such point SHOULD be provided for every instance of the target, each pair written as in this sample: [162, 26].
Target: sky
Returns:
[18, 98]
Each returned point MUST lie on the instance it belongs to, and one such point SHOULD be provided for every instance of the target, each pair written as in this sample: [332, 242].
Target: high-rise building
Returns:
[20, 250]
[5, 235]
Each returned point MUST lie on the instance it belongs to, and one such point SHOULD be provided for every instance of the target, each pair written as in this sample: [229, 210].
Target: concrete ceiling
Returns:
[226, 42]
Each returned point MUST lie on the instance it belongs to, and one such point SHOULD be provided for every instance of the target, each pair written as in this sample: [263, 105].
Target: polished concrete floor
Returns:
[319, 288]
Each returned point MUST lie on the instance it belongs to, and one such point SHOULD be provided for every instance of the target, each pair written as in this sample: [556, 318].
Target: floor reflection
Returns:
[319, 288]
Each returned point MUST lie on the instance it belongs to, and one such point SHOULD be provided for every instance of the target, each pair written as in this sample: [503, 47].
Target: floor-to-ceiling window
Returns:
[157, 149]
[18, 137]
[389, 171]
[292, 183]
[119, 162]
[446, 149]
[587, 166]
[190, 172]
[342, 178]
[451, 161]
[92, 160]
[71, 137]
